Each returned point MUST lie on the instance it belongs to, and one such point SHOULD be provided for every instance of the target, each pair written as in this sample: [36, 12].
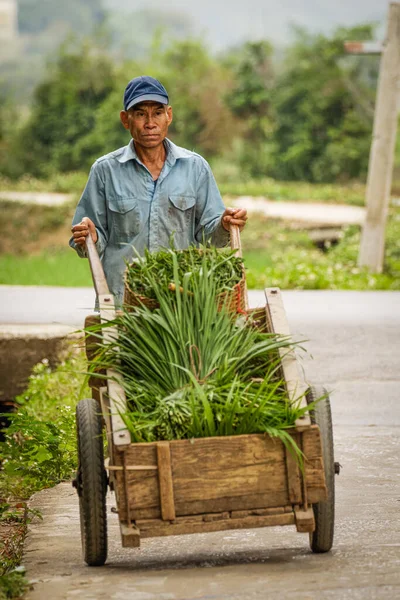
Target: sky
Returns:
[228, 22]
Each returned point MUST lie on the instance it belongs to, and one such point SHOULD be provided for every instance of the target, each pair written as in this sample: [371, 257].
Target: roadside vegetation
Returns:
[38, 451]
[276, 253]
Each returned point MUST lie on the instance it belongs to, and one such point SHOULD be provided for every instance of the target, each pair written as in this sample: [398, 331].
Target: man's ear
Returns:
[123, 115]
[169, 114]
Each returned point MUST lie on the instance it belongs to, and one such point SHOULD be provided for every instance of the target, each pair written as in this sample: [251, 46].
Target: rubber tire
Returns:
[321, 539]
[92, 482]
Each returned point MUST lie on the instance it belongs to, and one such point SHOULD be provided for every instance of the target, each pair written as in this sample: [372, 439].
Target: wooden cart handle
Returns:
[236, 242]
[99, 279]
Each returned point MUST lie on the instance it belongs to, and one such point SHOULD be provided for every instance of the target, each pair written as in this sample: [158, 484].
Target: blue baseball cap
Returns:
[142, 89]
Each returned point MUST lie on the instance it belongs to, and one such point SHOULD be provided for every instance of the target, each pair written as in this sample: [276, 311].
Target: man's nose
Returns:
[150, 123]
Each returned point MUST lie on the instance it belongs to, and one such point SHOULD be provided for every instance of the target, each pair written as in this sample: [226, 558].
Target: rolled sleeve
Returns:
[209, 210]
[93, 205]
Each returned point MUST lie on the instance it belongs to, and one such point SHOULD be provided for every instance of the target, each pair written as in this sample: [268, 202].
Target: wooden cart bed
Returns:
[209, 484]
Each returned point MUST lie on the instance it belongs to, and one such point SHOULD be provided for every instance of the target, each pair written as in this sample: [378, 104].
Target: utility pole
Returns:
[380, 167]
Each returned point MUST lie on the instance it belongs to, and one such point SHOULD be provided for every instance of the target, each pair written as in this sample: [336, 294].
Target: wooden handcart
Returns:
[202, 485]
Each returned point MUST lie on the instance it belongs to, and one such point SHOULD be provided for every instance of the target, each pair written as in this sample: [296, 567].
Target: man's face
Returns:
[148, 123]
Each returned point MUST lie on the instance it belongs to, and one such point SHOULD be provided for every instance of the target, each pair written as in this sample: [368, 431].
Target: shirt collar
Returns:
[173, 152]
[128, 153]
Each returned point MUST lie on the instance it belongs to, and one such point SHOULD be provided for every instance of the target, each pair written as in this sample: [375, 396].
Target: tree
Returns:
[250, 100]
[196, 83]
[64, 109]
[323, 107]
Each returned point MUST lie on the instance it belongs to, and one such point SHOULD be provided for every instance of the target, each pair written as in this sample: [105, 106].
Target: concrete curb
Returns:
[23, 346]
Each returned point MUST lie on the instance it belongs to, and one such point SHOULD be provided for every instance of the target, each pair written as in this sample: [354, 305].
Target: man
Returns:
[141, 194]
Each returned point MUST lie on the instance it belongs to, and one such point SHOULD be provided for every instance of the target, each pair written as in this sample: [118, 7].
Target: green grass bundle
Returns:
[158, 267]
[190, 370]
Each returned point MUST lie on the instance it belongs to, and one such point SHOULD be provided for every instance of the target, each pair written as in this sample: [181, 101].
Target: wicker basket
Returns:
[234, 300]
[131, 299]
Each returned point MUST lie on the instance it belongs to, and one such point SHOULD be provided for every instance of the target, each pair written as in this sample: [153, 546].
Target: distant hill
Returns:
[35, 16]
[130, 27]
[229, 23]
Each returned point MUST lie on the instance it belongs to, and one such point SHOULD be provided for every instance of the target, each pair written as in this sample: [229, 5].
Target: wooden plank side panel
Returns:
[293, 475]
[164, 529]
[143, 486]
[165, 481]
[231, 473]
[294, 378]
[143, 524]
[214, 475]
[313, 465]
[246, 502]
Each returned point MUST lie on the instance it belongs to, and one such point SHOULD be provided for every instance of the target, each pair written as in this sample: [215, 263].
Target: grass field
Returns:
[60, 268]
[34, 250]
[275, 255]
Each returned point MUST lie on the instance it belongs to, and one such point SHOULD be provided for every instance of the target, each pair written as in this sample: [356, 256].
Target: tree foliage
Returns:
[82, 15]
[250, 99]
[196, 83]
[64, 108]
[322, 127]
[308, 117]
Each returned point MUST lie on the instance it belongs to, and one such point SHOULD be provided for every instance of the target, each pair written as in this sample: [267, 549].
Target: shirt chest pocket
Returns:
[180, 212]
[125, 217]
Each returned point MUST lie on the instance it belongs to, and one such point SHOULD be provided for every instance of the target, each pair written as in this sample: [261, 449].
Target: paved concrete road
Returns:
[42, 198]
[68, 306]
[313, 213]
[21, 305]
[354, 342]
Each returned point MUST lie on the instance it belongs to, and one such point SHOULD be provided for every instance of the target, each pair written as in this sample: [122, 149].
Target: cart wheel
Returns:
[91, 482]
[321, 539]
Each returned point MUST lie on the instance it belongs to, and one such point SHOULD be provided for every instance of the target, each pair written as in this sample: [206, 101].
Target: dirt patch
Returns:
[13, 527]
[55, 239]
[12, 537]
[33, 229]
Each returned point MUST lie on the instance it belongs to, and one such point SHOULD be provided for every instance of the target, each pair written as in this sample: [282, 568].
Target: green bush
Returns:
[275, 255]
[42, 452]
[12, 585]
[40, 444]
[63, 111]
[323, 109]
[39, 451]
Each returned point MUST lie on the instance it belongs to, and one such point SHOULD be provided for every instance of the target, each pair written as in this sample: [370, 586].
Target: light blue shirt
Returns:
[131, 210]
